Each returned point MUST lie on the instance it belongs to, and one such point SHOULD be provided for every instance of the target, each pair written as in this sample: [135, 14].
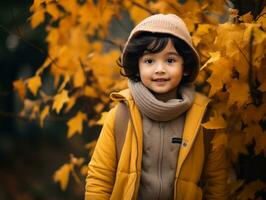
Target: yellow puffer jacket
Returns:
[108, 179]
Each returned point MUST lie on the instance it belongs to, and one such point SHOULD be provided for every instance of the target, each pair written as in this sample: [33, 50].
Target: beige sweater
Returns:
[162, 130]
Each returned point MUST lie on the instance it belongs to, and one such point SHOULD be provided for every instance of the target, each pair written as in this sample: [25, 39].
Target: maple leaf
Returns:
[34, 84]
[44, 114]
[53, 11]
[90, 92]
[62, 175]
[260, 144]
[19, 85]
[102, 119]
[75, 124]
[137, 14]
[59, 100]
[37, 18]
[36, 4]
[221, 74]
[214, 57]
[91, 146]
[219, 139]
[252, 131]
[235, 144]
[239, 92]
[250, 189]
[215, 123]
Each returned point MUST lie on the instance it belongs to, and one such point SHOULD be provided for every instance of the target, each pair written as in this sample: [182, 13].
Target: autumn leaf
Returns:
[252, 131]
[247, 18]
[53, 11]
[91, 146]
[37, 18]
[235, 145]
[239, 92]
[102, 119]
[19, 85]
[59, 100]
[215, 123]
[75, 124]
[90, 92]
[221, 74]
[219, 139]
[44, 114]
[62, 175]
[214, 57]
[250, 189]
[260, 144]
[34, 84]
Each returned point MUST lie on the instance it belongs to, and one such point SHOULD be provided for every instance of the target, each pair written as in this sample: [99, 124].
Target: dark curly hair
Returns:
[154, 43]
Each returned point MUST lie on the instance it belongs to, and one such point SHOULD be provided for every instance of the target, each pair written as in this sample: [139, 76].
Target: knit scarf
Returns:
[158, 110]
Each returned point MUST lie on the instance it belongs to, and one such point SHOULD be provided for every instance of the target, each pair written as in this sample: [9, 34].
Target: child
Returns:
[163, 154]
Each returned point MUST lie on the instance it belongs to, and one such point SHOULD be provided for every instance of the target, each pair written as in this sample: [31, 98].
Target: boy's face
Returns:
[161, 72]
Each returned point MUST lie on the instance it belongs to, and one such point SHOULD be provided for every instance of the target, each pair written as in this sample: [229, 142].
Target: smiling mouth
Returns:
[160, 79]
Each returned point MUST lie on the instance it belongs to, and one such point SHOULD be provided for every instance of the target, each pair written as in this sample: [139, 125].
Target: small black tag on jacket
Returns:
[176, 140]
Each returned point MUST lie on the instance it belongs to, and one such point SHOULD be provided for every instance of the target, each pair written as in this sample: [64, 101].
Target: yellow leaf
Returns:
[236, 145]
[84, 170]
[260, 144]
[43, 114]
[252, 114]
[102, 119]
[76, 161]
[215, 123]
[219, 139]
[221, 74]
[38, 17]
[53, 11]
[59, 100]
[91, 147]
[239, 93]
[79, 78]
[36, 4]
[252, 131]
[263, 87]
[138, 14]
[62, 175]
[250, 189]
[214, 57]
[20, 87]
[90, 92]
[247, 18]
[34, 84]
[75, 125]
[70, 103]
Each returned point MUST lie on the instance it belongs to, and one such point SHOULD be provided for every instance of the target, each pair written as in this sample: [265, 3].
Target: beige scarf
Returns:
[158, 110]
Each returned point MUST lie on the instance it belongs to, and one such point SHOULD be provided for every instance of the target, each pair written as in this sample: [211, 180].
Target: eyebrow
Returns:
[173, 53]
[168, 53]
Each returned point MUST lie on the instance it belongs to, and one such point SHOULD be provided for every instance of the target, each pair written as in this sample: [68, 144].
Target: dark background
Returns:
[29, 155]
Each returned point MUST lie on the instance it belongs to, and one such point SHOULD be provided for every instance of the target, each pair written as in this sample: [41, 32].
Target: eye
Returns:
[148, 61]
[171, 60]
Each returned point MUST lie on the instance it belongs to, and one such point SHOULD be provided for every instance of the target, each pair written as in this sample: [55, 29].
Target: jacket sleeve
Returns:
[216, 169]
[102, 167]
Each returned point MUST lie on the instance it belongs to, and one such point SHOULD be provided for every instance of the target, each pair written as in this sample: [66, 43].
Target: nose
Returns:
[160, 68]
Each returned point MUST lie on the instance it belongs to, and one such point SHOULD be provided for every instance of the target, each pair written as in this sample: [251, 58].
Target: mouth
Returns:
[160, 79]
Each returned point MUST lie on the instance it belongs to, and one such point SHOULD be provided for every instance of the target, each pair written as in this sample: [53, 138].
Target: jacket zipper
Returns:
[160, 161]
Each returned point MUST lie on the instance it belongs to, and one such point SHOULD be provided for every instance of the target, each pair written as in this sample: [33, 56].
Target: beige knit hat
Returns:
[161, 23]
